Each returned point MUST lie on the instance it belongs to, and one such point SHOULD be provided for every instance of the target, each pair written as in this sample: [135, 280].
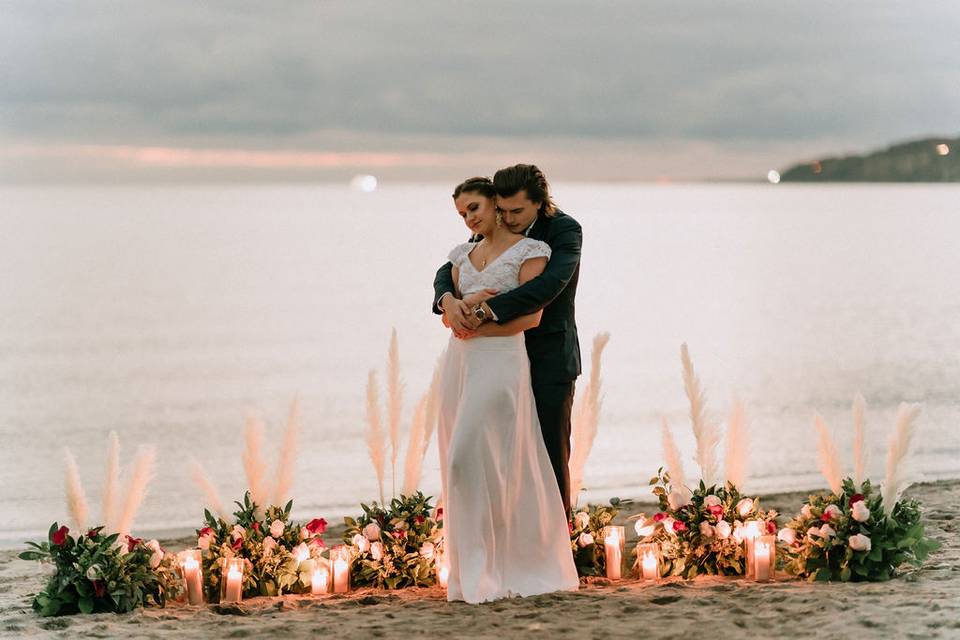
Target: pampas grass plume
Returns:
[287, 461]
[707, 435]
[737, 457]
[108, 505]
[375, 443]
[586, 420]
[76, 498]
[415, 447]
[253, 464]
[202, 480]
[394, 404]
[895, 481]
[671, 455]
[140, 477]
[827, 455]
[859, 454]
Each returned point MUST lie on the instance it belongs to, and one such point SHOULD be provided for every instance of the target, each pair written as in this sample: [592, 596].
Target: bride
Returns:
[505, 525]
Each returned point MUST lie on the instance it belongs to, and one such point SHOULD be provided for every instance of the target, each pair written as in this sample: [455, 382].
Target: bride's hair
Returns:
[481, 185]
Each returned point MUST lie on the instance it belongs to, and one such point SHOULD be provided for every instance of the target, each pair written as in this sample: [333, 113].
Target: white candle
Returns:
[320, 581]
[234, 584]
[443, 574]
[614, 556]
[194, 580]
[649, 566]
[341, 576]
[751, 531]
[762, 560]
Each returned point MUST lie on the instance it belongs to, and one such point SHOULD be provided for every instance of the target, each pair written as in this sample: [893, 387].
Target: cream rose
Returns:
[360, 542]
[832, 511]
[706, 530]
[712, 501]
[237, 532]
[788, 536]
[585, 539]
[806, 512]
[826, 531]
[581, 520]
[276, 528]
[723, 529]
[269, 544]
[644, 527]
[93, 572]
[744, 507]
[859, 542]
[371, 532]
[376, 550]
[860, 511]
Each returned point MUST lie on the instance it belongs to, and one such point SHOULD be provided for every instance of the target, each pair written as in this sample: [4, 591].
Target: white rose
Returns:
[427, 550]
[581, 520]
[585, 539]
[361, 543]
[813, 532]
[156, 559]
[723, 529]
[744, 507]
[371, 532]
[93, 572]
[237, 532]
[644, 528]
[826, 531]
[204, 542]
[738, 531]
[679, 497]
[806, 512]
[276, 528]
[787, 535]
[376, 550]
[154, 546]
[832, 511]
[269, 544]
[712, 501]
[859, 542]
[668, 525]
[706, 530]
[860, 511]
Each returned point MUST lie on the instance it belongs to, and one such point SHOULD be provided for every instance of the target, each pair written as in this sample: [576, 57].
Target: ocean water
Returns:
[165, 313]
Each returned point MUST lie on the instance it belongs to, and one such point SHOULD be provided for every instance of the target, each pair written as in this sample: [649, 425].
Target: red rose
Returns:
[419, 519]
[93, 533]
[206, 531]
[439, 513]
[237, 544]
[133, 542]
[771, 527]
[317, 526]
[570, 527]
[399, 535]
[679, 526]
[60, 536]
[825, 518]
[715, 510]
[319, 542]
[256, 527]
[657, 517]
[100, 588]
[855, 498]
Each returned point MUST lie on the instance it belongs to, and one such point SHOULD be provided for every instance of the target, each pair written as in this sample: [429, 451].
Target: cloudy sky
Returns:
[132, 90]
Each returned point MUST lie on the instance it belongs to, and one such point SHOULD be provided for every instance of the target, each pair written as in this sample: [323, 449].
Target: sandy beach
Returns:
[921, 603]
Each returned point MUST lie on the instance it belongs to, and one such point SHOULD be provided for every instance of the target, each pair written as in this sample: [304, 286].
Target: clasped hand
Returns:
[459, 317]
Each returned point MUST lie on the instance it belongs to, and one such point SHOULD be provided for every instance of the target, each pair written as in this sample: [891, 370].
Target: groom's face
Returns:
[518, 211]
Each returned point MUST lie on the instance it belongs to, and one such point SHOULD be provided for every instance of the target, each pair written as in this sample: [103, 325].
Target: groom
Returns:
[523, 200]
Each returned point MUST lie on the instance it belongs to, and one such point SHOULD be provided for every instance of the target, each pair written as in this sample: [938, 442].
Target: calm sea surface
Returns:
[165, 313]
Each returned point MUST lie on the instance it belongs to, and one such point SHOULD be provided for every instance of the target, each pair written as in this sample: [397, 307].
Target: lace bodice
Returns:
[502, 273]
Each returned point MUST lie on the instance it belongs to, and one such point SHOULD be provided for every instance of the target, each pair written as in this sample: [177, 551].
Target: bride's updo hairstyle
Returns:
[480, 185]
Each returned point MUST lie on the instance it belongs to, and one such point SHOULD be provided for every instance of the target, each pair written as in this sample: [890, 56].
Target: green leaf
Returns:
[85, 604]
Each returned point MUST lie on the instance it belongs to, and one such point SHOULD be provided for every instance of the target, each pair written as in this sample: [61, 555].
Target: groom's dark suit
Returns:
[553, 346]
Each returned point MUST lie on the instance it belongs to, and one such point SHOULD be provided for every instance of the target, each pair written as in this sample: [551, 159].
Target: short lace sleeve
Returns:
[459, 253]
[535, 249]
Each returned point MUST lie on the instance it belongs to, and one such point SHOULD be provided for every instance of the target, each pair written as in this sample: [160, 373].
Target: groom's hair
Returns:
[481, 185]
[510, 181]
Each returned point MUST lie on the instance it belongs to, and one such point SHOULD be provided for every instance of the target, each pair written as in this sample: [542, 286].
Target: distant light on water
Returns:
[365, 183]
[773, 176]
[943, 149]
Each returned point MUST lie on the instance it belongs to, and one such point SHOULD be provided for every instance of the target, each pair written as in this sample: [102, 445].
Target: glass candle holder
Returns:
[320, 577]
[764, 558]
[340, 564]
[751, 531]
[231, 581]
[442, 567]
[649, 556]
[191, 567]
[613, 540]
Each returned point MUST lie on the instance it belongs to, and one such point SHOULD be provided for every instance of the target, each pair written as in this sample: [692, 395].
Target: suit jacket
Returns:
[553, 346]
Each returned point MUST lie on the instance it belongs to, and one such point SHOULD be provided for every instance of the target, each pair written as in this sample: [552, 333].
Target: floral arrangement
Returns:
[848, 537]
[586, 536]
[95, 572]
[702, 534]
[853, 533]
[395, 547]
[279, 554]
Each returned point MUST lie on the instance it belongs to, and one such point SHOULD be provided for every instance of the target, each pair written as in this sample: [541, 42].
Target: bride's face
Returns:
[479, 213]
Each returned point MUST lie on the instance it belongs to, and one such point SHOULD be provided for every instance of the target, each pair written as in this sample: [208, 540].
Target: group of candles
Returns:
[760, 552]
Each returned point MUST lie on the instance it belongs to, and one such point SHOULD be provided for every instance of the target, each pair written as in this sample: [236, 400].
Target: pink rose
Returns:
[679, 526]
[715, 510]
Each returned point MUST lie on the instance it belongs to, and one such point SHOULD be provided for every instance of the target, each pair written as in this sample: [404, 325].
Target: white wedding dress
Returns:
[504, 523]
